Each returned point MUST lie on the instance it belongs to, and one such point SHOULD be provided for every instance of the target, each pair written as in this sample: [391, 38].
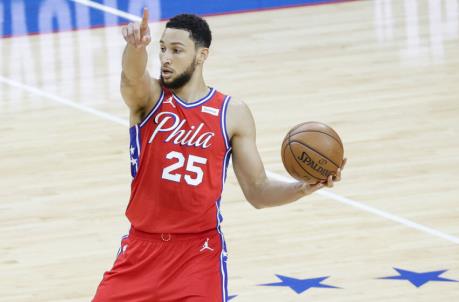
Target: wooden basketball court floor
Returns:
[384, 74]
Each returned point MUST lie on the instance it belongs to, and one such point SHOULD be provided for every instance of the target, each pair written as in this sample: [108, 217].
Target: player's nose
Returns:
[165, 58]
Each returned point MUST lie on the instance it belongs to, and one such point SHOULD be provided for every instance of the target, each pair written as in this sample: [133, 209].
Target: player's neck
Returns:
[192, 91]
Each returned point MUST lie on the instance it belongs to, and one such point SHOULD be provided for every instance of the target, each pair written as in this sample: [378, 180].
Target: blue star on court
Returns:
[419, 279]
[232, 297]
[300, 285]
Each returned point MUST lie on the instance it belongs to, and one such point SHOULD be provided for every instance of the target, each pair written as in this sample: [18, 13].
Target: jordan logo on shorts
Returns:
[205, 246]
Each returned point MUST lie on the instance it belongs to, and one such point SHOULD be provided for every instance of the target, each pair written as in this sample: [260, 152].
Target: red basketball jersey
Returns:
[179, 157]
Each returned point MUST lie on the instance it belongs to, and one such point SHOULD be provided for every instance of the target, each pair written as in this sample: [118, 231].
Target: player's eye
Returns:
[162, 48]
[176, 50]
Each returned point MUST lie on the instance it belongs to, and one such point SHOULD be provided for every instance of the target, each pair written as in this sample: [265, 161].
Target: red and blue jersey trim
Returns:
[134, 138]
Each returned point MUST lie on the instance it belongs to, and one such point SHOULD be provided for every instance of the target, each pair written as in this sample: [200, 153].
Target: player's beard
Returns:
[182, 78]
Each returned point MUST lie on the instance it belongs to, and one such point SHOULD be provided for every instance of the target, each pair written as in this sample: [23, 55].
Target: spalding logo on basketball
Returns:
[312, 151]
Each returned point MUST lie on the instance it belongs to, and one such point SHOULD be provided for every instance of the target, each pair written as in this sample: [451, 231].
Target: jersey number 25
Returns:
[168, 172]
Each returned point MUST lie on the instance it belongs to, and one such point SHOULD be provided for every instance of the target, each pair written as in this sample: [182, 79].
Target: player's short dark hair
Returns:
[195, 25]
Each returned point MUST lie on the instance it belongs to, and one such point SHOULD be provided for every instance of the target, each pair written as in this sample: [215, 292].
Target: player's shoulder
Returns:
[237, 105]
[239, 117]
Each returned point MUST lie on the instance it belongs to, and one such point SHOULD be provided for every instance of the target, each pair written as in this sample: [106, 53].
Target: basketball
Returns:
[311, 152]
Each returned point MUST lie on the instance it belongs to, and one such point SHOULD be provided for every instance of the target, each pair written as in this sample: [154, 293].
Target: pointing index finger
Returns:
[145, 18]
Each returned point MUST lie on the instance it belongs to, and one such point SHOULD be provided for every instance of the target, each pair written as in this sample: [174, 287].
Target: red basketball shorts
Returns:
[167, 268]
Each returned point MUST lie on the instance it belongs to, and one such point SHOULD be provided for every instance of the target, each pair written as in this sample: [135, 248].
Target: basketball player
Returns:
[183, 133]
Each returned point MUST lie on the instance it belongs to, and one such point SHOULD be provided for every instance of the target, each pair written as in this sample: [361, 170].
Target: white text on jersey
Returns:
[191, 137]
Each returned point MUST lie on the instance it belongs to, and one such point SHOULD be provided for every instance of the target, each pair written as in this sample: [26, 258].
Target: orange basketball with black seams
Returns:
[312, 151]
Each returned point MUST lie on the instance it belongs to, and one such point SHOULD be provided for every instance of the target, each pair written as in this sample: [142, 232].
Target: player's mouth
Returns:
[166, 72]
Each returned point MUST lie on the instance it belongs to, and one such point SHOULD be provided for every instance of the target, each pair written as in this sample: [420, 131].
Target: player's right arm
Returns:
[139, 90]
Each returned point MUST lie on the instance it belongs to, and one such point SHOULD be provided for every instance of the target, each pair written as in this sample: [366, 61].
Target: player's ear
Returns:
[203, 53]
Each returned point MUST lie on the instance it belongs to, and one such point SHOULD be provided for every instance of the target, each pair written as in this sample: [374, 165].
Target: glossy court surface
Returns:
[383, 73]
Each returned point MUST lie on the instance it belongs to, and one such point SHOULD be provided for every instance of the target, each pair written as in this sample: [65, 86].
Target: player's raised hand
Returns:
[138, 34]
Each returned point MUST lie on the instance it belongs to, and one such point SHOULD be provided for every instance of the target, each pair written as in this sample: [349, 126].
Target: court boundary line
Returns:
[375, 211]
[108, 9]
[128, 16]
[63, 101]
[322, 192]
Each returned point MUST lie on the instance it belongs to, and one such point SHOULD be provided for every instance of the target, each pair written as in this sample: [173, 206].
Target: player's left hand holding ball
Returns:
[311, 188]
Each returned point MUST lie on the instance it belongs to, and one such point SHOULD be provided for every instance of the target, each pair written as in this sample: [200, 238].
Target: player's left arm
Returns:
[258, 189]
